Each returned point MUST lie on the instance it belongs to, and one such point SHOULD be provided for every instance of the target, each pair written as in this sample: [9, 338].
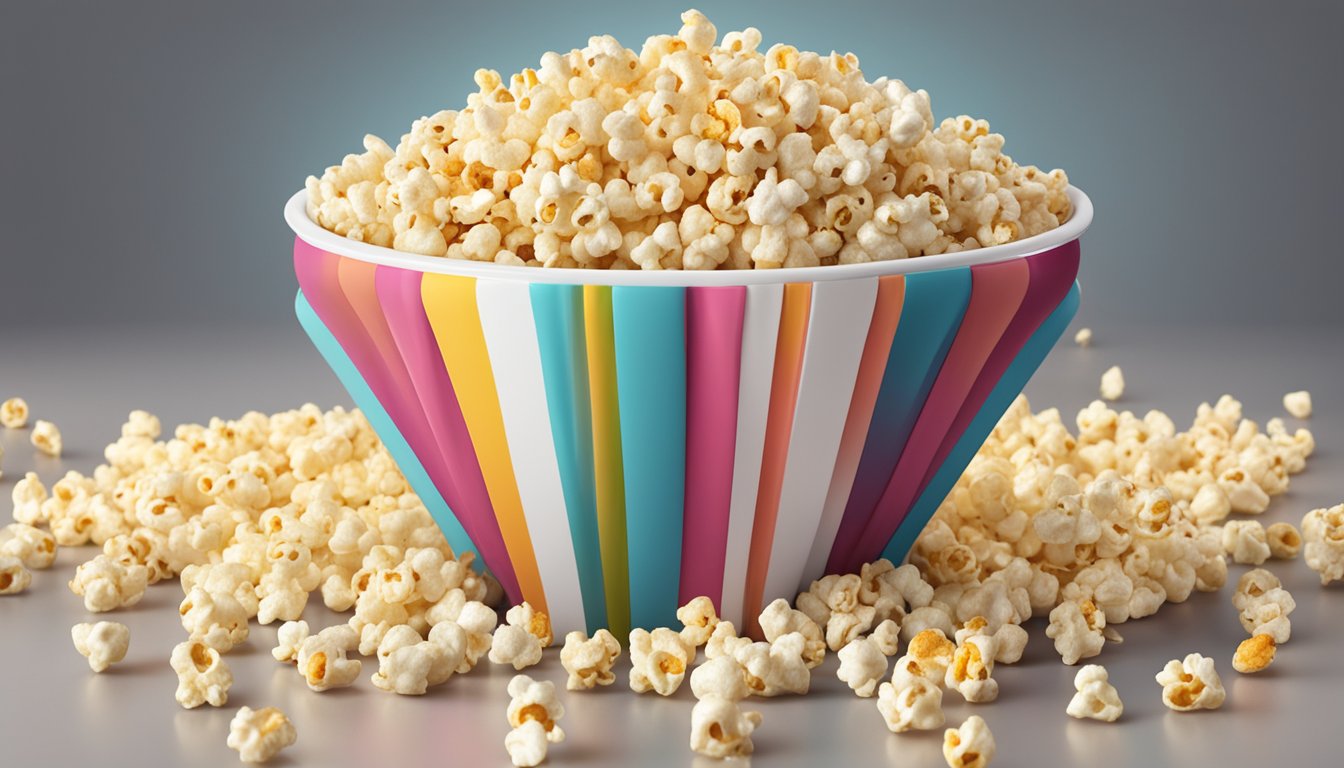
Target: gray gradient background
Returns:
[149, 146]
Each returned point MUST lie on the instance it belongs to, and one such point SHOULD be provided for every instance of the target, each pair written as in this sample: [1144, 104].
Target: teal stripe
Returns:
[1008, 388]
[558, 314]
[650, 326]
[396, 445]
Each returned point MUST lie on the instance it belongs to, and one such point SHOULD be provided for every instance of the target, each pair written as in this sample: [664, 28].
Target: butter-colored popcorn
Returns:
[107, 585]
[1076, 627]
[659, 660]
[720, 729]
[34, 547]
[218, 620]
[1268, 615]
[721, 678]
[289, 640]
[1083, 337]
[46, 437]
[1245, 541]
[970, 670]
[1284, 540]
[405, 662]
[778, 620]
[528, 744]
[535, 622]
[1010, 640]
[969, 746]
[261, 734]
[202, 675]
[104, 643]
[28, 496]
[516, 646]
[323, 662]
[1254, 654]
[698, 619]
[589, 660]
[535, 701]
[1323, 532]
[1096, 698]
[723, 641]
[1298, 404]
[1191, 684]
[14, 413]
[863, 664]
[14, 577]
[777, 668]
[914, 703]
[1113, 384]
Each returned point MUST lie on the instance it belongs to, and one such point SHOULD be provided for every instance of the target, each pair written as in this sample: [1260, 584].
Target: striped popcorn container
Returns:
[613, 443]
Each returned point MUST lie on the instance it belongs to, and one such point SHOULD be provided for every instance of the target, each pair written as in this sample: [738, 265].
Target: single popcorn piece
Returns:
[720, 729]
[698, 619]
[34, 547]
[970, 670]
[1113, 384]
[928, 655]
[218, 620]
[106, 584]
[863, 664]
[589, 660]
[533, 708]
[1083, 337]
[1298, 404]
[14, 577]
[1254, 654]
[1252, 586]
[14, 413]
[289, 639]
[515, 646]
[778, 619]
[1268, 615]
[1246, 542]
[970, 746]
[46, 437]
[1191, 684]
[777, 668]
[1284, 541]
[29, 497]
[1323, 534]
[721, 678]
[659, 660]
[1096, 698]
[405, 662]
[202, 675]
[1010, 640]
[323, 661]
[527, 744]
[535, 622]
[103, 644]
[915, 704]
[261, 734]
[724, 641]
[1076, 627]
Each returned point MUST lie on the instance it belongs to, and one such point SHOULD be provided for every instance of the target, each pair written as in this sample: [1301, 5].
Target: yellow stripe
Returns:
[450, 305]
[607, 462]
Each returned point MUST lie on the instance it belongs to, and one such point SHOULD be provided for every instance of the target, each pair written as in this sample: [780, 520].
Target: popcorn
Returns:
[14, 577]
[405, 662]
[863, 664]
[516, 646]
[1254, 654]
[322, 658]
[915, 703]
[970, 746]
[1076, 627]
[289, 639]
[721, 678]
[107, 585]
[970, 670]
[1083, 337]
[219, 621]
[533, 702]
[1191, 684]
[103, 644]
[1284, 541]
[1245, 541]
[14, 413]
[723, 641]
[1112, 383]
[202, 675]
[1096, 698]
[29, 496]
[527, 744]
[1298, 404]
[535, 622]
[1323, 532]
[776, 668]
[720, 729]
[698, 620]
[46, 437]
[1010, 640]
[589, 660]
[1268, 615]
[259, 735]
[34, 547]
[659, 660]
[778, 620]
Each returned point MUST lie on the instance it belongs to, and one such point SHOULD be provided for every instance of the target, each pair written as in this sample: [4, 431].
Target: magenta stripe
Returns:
[714, 319]
[399, 296]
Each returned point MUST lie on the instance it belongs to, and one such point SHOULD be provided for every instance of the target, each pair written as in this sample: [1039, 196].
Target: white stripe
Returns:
[836, 333]
[506, 318]
[760, 334]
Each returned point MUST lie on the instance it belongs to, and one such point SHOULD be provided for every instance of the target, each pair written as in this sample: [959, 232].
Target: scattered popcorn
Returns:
[916, 703]
[516, 646]
[1113, 383]
[218, 620]
[1245, 541]
[535, 622]
[927, 655]
[527, 744]
[776, 668]
[1191, 684]
[778, 620]
[1010, 640]
[1284, 541]
[925, 618]
[323, 662]
[1076, 627]
[532, 702]
[1096, 698]
[107, 585]
[405, 662]
[1298, 404]
[723, 641]
[970, 670]
[289, 639]
[14, 577]
[659, 660]
[46, 437]
[721, 678]
[970, 746]
[202, 675]
[29, 496]
[698, 619]
[1268, 615]
[1083, 337]
[1323, 532]
[14, 413]
[1254, 654]
[1253, 585]
[259, 735]
[863, 664]
[34, 547]
[103, 644]
[720, 729]
[589, 660]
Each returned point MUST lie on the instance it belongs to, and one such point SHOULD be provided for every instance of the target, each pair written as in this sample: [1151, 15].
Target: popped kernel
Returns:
[1190, 684]
[1083, 337]
[46, 437]
[1323, 532]
[915, 703]
[1096, 698]
[14, 413]
[534, 712]
[720, 729]
[1284, 540]
[261, 734]
[1113, 383]
[698, 619]
[14, 577]
[1298, 404]
[104, 643]
[659, 660]
[202, 675]
[969, 746]
[1254, 654]
[589, 660]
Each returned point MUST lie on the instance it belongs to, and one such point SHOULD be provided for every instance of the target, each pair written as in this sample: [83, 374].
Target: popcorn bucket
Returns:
[613, 443]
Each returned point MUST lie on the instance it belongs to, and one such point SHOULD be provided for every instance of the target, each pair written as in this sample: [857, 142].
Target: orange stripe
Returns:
[876, 350]
[778, 427]
[450, 305]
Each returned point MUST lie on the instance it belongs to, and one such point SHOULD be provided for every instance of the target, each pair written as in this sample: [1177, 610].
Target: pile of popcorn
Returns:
[257, 515]
[691, 153]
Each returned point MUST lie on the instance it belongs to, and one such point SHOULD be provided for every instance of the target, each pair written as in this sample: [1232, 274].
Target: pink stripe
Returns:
[713, 363]
[399, 296]
[996, 293]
